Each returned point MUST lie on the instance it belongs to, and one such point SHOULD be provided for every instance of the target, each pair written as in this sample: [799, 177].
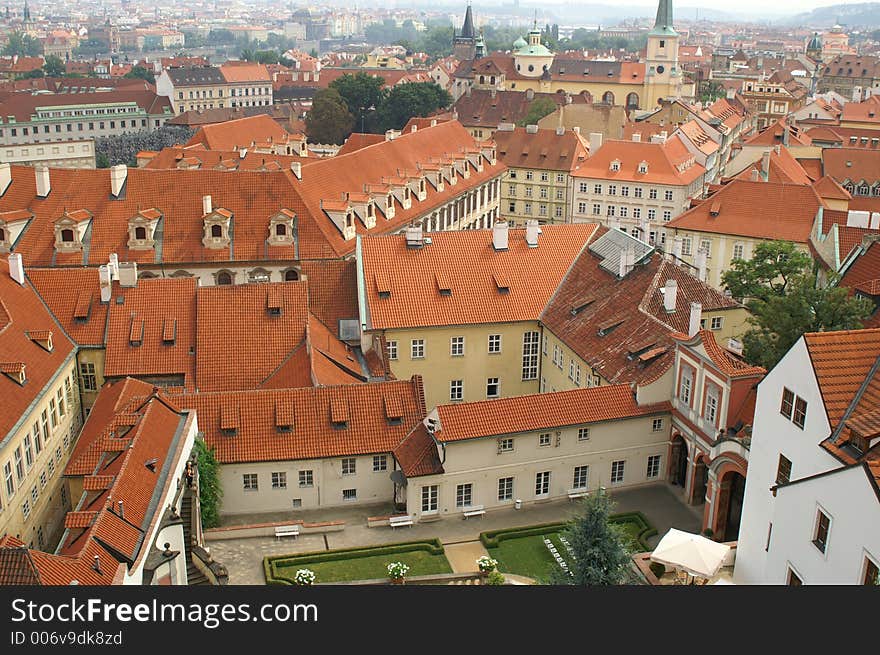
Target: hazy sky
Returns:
[760, 7]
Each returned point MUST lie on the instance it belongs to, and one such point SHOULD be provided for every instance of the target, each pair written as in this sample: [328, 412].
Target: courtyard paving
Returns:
[661, 504]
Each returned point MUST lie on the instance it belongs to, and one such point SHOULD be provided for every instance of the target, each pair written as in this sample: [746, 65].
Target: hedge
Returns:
[492, 538]
[272, 563]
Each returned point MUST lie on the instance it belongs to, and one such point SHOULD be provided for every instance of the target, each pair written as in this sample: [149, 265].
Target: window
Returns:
[494, 343]
[492, 388]
[429, 498]
[544, 345]
[571, 370]
[653, 466]
[583, 434]
[10, 483]
[582, 208]
[667, 215]
[44, 421]
[686, 246]
[380, 463]
[511, 207]
[612, 189]
[560, 178]
[51, 468]
[557, 212]
[391, 348]
[60, 394]
[505, 488]
[53, 412]
[637, 192]
[657, 425]
[542, 209]
[305, 479]
[624, 191]
[610, 210]
[544, 439]
[463, 495]
[667, 195]
[26, 508]
[43, 479]
[710, 411]
[349, 494]
[823, 524]
[28, 452]
[456, 389]
[617, 471]
[58, 455]
[684, 388]
[543, 192]
[505, 445]
[87, 375]
[417, 348]
[545, 176]
[738, 251]
[512, 189]
[249, 482]
[349, 465]
[530, 356]
[581, 475]
[456, 346]
[652, 214]
[597, 189]
[624, 211]
[706, 246]
[652, 194]
[527, 208]
[800, 412]
[529, 175]
[19, 466]
[577, 374]
[872, 573]
[787, 403]
[597, 209]
[717, 322]
[542, 483]
[783, 470]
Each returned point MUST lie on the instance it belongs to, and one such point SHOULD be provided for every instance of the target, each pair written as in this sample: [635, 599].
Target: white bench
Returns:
[473, 510]
[400, 521]
[574, 494]
[286, 531]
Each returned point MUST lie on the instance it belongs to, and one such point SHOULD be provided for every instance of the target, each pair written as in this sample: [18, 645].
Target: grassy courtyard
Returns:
[422, 557]
[522, 550]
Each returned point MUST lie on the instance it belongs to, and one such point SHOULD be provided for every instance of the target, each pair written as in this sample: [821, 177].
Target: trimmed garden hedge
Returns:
[492, 538]
[273, 563]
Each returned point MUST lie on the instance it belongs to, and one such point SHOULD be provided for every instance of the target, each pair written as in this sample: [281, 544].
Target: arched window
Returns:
[280, 230]
[2, 234]
[608, 98]
[864, 189]
[140, 233]
[632, 100]
[181, 274]
[224, 278]
[67, 235]
[291, 275]
[216, 231]
[146, 275]
[482, 79]
[492, 80]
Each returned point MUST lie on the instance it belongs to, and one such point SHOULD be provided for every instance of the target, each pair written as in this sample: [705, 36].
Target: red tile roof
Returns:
[417, 454]
[726, 361]
[226, 160]
[668, 163]
[761, 210]
[855, 164]
[828, 187]
[774, 134]
[488, 418]
[482, 108]
[356, 141]
[332, 290]
[74, 298]
[469, 262]
[239, 133]
[543, 150]
[312, 434]
[24, 105]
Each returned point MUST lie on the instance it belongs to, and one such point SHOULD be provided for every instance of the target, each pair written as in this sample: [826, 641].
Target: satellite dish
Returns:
[398, 478]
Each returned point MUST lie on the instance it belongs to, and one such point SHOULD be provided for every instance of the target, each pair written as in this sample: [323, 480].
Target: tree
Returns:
[210, 491]
[23, 45]
[712, 91]
[362, 94]
[54, 66]
[786, 299]
[141, 73]
[540, 107]
[329, 120]
[601, 556]
[405, 101]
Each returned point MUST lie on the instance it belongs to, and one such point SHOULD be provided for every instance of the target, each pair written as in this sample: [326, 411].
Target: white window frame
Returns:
[545, 439]
[618, 471]
[306, 478]
[505, 489]
[349, 466]
[456, 346]
[496, 384]
[542, 484]
[583, 434]
[279, 479]
[391, 349]
[494, 339]
[417, 349]
[349, 495]
[380, 463]
[505, 445]
[653, 468]
[250, 482]
[456, 390]
[430, 498]
[464, 494]
[581, 477]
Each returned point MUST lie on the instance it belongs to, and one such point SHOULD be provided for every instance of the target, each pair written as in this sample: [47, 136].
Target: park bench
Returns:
[286, 531]
[473, 510]
[400, 521]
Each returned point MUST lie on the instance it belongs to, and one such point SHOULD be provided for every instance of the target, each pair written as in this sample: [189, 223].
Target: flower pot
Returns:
[398, 580]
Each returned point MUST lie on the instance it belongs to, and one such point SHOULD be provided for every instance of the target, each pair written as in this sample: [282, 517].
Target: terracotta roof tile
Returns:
[668, 163]
[417, 454]
[356, 141]
[854, 164]
[239, 133]
[332, 290]
[544, 149]
[727, 362]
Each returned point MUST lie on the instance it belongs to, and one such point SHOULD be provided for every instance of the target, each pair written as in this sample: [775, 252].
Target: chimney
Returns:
[627, 259]
[677, 244]
[700, 261]
[5, 177]
[778, 149]
[296, 169]
[104, 282]
[765, 164]
[670, 295]
[96, 565]
[696, 314]
[16, 268]
[414, 236]
[44, 185]
[390, 135]
[530, 94]
[531, 129]
[500, 233]
[576, 129]
[113, 265]
[128, 274]
[731, 94]
[532, 232]
[118, 174]
[242, 153]
[492, 92]
[560, 131]
[121, 511]
[595, 142]
[414, 128]
[637, 137]
[206, 205]
[755, 175]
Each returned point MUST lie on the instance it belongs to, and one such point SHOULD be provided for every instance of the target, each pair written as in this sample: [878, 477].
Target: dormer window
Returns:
[43, 338]
[615, 165]
[643, 167]
[216, 232]
[389, 202]
[67, 236]
[140, 233]
[70, 229]
[141, 228]
[217, 226]
[14, 371]
[281, 228]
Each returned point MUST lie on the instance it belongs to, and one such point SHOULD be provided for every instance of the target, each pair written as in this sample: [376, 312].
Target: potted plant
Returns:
[304, 577]
[495, 578]
[397, 572]
[486, 565]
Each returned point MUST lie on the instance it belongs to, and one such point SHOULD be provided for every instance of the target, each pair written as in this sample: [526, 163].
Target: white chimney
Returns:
[296, 169]
[128, 274]
[765, 164]
[670, 296]
[595, 142]
[500, 232]
[530, 94]
[700, 261]
[627, 259]
[5, 177]
[44, 185]
[117, 179]
[113, 265]
[16, 268]
[560, 131]
[531, 129]
[696, 314]
[532, 232]
[104, 282]
[677, 244]
[637, 137]
[206, 205]
[414, 236]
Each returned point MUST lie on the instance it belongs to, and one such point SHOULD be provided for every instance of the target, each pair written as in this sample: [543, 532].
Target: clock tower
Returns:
[662, 75]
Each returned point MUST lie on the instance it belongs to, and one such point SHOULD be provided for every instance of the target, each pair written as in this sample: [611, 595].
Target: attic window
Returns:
[608, 326]
[284, 418]
[501, 282]
[383, 284]
[651, 355]
[83, 307]
[43, 338]
[136, 335]
[615, 165]
[229, 420]
[14, 371]
[643, 167]
[635, 351]
[273, 301]
[443, 285]
[169, 331]
[581, 305]
[339, 413]
[393, 409]
[715, 207]
[857, 442]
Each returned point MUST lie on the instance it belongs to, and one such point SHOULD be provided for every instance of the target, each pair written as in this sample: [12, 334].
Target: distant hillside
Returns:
[861, 16]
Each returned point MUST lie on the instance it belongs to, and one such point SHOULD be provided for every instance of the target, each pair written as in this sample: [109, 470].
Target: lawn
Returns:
[522, 550]
[422, 557]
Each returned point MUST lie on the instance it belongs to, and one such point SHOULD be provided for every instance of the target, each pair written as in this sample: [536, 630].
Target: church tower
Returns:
[464, 44]
[662, 75]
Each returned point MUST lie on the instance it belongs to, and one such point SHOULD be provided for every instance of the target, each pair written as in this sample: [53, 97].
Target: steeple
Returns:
[467, 30]
[663, 22]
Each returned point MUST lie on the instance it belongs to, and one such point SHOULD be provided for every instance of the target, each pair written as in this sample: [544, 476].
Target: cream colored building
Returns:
[61, 154]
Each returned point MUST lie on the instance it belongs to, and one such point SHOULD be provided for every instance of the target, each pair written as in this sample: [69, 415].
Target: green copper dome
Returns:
[519, 43]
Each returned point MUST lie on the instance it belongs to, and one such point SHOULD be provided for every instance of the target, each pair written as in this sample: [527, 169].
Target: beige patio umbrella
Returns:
[689, 552]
